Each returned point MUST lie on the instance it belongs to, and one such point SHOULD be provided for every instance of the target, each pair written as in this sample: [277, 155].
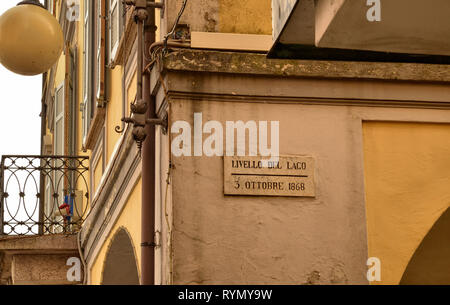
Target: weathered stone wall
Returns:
[321, 107]
[226, 16]
[272, 240]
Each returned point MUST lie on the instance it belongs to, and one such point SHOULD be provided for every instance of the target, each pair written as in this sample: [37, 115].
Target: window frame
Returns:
[73, 98]
[51, 6]
[56, 177]
[112, 49]
[100, 52]
[59, 117]
[86, 107]
[98, 44]
[130, 72]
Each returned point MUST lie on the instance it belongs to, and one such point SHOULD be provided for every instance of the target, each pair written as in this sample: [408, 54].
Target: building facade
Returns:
[373, 138]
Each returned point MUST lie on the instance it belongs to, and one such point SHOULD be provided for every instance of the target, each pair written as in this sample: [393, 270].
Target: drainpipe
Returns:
[148, 163]
[144, 120]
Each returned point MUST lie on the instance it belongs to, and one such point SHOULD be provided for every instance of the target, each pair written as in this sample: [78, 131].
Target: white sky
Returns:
[20, 105]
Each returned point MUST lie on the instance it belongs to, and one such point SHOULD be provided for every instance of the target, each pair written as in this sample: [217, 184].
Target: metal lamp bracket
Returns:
[139, 107]
[138, 117]
[32, 2]
[139, 123]
[161, 122]
[136, 122]
[144, 4]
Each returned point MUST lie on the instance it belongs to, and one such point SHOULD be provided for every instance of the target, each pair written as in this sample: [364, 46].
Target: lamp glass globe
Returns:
[31, 39]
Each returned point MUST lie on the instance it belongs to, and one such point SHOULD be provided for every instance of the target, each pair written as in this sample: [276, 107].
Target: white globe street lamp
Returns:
[31, 39]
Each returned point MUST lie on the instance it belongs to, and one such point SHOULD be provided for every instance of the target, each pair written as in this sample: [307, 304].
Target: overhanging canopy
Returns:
[408, 30]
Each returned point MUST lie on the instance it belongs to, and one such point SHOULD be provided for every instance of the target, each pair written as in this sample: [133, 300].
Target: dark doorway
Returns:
[120, 265]
[430, 264]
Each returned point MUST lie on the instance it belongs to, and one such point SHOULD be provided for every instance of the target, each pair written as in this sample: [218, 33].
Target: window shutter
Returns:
[100, 54]
[72, 89]
[59, 121]
[58, 136]
[87, 64]
[86, 35]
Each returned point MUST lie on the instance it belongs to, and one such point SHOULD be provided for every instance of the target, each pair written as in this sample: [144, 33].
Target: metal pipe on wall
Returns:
[148, 163]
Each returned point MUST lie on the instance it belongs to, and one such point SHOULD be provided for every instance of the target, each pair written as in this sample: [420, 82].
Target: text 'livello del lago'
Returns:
[269, 164]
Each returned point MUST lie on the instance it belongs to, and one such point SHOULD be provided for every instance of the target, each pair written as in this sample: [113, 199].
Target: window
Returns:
[50, 6]
[115, 27]
[95, 111]
[56, 180]
[59, 121]
[71, 91]
[100, 50]
[86, 106]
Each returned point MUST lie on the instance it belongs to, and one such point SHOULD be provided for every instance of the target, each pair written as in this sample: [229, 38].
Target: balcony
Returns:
[42, 195]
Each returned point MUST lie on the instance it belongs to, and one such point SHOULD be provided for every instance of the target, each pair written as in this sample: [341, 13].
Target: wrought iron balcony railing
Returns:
[43, 194]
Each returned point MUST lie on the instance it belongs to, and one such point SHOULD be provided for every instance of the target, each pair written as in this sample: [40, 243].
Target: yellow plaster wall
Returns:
[130, 218]
[61, 65]
[97, 176]
[60, 71]
[246, 17]
[131, 92]
[114, 109]
[407, 181]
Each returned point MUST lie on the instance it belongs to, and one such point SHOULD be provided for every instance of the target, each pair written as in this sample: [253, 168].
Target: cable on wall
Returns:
[180, 13]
